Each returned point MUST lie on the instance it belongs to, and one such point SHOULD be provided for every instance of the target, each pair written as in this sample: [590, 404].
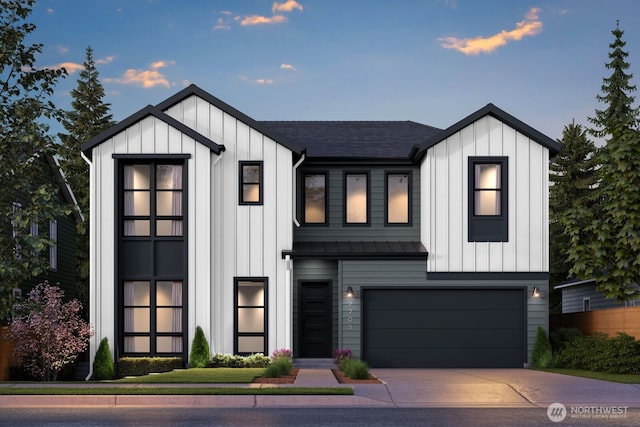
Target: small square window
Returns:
[250, 183]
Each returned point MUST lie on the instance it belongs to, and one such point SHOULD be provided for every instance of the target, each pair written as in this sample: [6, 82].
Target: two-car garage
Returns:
[444, 328]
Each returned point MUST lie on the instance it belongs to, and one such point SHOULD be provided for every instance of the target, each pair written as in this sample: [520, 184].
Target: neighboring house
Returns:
[60, 263]
[409, 245]
[582, 295]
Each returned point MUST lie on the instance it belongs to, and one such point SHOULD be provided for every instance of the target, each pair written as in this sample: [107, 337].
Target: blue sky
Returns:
[430, 61]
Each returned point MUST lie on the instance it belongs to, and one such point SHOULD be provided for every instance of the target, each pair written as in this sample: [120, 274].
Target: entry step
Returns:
[314, 363]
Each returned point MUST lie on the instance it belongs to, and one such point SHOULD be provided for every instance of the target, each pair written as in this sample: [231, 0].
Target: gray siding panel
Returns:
[573, 297]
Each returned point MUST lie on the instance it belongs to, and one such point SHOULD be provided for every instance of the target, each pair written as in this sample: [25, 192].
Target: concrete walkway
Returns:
[403, 388]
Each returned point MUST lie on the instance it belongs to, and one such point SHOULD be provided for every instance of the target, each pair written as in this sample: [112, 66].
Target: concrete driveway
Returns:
[494, 388]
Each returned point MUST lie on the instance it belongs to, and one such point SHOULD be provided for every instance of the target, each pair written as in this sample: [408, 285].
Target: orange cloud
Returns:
[259, 20]
[530, 26]
[287, 6]
[105, 60]
[146, 78]
[71, 67]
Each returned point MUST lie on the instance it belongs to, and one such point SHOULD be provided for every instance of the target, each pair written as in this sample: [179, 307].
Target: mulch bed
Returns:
[343, 379]
[285, 379]
[291, 378]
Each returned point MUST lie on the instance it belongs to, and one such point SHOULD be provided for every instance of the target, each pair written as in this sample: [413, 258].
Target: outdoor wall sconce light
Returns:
[536, 292]
[350, 293]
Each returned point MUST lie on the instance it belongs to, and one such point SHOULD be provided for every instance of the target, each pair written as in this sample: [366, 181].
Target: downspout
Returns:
[92, 297]
[295, 196]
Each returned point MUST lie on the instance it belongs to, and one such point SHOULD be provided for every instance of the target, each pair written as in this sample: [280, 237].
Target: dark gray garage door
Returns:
[444, 328]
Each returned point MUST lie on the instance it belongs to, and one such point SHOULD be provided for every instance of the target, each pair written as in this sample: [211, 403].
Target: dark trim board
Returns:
[488, 276]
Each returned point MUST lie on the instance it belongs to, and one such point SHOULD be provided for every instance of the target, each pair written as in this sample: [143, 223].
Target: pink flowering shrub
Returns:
[282, 353]
[48, 333]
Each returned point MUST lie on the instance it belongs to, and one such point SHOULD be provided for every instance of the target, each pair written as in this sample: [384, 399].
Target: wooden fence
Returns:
[609, 321]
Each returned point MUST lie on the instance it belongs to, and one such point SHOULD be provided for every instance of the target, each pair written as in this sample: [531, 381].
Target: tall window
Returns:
[356, 198]
[152, 258]
[315, 198]
[488, 219]
[250, 183]
[251, 316]
[398, 198]
[53, 249]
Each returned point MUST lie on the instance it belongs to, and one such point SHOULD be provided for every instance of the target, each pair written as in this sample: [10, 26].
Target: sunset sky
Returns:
[430, 61]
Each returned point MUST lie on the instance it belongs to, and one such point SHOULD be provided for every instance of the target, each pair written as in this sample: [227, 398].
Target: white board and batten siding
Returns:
[246, 241]
[148, 136]
[444, 205]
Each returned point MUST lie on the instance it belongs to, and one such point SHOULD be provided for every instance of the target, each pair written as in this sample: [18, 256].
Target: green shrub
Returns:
[561, 336]
[200, 355]
[257, 360]
[355, 369]
[278, 367]
[599, 353]
[541, 356]
[137, 366]
[224, 360]
[103, 368]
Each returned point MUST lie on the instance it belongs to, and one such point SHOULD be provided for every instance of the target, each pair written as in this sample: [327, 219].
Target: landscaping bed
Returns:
[343, 379]
[289, 378]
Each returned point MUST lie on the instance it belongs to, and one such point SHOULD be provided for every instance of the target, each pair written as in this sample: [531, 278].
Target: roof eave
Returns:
[192, 90]
[149, 110]
[553, 146]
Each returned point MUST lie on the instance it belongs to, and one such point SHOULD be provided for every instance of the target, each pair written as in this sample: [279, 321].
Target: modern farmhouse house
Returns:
[410, 245]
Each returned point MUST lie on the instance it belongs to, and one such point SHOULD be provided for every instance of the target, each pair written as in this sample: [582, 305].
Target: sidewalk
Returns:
[401, 388]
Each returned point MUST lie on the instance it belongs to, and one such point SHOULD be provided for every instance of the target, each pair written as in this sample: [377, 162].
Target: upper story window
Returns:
[53, 249]
[356, 198]
[250, 183]
[315, 198]
[488, 207]
[398, 201]
[153, 200]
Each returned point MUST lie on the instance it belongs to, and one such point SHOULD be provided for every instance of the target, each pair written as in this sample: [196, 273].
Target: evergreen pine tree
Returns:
[200, 356]
[89, 117]
[605, 236]
[573, 175]
[616, 92]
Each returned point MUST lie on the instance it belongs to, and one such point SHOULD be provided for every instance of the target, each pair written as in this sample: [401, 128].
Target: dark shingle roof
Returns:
[354, 139]
[358, 250]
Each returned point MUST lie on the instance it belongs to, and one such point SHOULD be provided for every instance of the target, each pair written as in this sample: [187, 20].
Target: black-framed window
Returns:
[53, 249]
[251, 183]
[153, 316]
[356, 198]
[250, 319]
[398, 198]
[152, 256]
[488, 199]
[315, 198]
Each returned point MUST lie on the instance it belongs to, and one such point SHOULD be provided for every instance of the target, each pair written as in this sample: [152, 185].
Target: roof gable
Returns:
[491, 110]
[192, 90]
[147, 111]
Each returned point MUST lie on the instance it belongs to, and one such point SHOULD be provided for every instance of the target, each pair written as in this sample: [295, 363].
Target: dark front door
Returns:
[315, 319]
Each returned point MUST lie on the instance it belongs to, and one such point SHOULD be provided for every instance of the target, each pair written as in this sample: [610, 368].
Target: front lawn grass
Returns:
[204, 391]
[198, 376]
[617, 378]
